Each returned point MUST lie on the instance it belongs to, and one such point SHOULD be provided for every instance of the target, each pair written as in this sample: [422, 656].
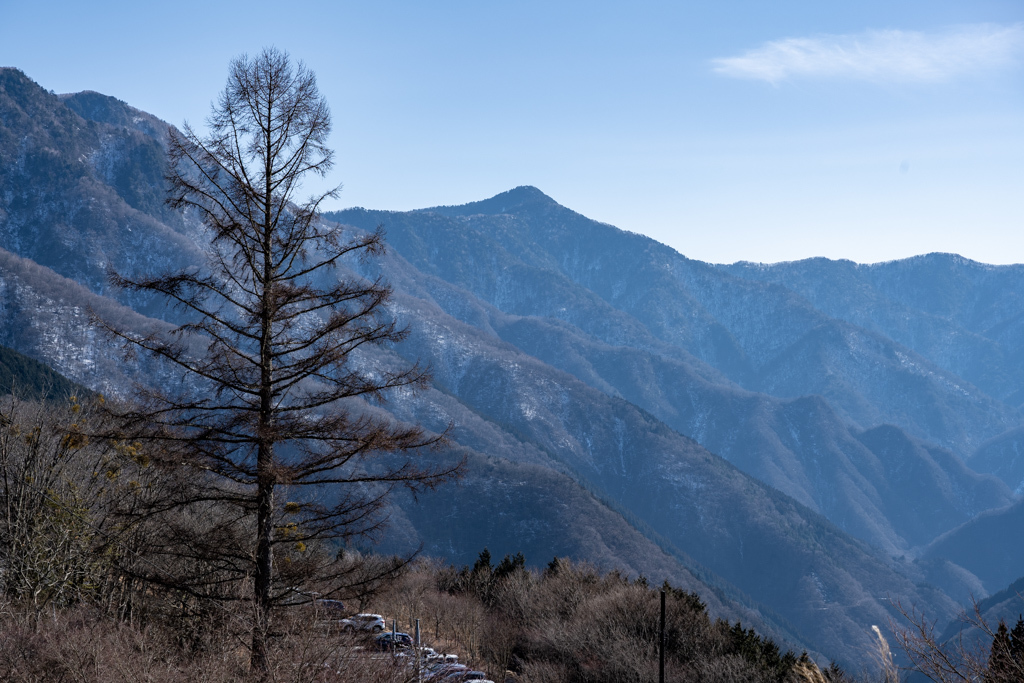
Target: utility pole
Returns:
[661, 643]
[419, 655]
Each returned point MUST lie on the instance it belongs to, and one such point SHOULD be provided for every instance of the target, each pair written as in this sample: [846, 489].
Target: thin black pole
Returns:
[661, 644]
[419, 655]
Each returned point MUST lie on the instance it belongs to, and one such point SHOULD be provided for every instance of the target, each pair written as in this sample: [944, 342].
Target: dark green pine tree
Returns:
[509, 566]
[483, 563]
[1017, 647]
[1000, 661]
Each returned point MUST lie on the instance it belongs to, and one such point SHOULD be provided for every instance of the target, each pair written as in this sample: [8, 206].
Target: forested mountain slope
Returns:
[29, 379]
[526, 255]
[82, 195]
[965, 317]
[527, 266]
[988, 545]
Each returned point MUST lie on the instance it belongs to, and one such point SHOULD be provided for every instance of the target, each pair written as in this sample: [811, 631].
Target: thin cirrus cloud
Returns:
[881, 55]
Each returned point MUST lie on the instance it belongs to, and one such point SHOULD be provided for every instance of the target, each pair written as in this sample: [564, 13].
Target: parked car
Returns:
[364, 622]
[393, 641]
[331, 609]
[463, 676]
[438, 672]
[430, 655]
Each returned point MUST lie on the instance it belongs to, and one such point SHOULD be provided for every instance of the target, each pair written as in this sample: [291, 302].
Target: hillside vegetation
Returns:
[31, 379]
[92, 591]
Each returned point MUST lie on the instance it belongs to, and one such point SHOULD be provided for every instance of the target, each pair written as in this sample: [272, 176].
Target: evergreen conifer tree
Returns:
[1000, 662]
[1017, 647]
[1017, 637]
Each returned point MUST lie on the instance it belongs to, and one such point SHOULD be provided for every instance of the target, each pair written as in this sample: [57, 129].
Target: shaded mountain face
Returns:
[50, 318]
[81, 195]
[590, 375]
[29, 379]
[759, 540]
[1003, 456]
[988, 546]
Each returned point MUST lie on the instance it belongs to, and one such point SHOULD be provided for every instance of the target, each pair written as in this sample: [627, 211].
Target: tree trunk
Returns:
[259, 660]
[265, 455]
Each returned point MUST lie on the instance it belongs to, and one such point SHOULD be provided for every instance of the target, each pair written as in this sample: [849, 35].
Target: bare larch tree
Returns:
[270, 397]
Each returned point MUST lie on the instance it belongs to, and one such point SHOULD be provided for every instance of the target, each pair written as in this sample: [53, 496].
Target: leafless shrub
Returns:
[131, 619]
[66, 505]
[84, 645]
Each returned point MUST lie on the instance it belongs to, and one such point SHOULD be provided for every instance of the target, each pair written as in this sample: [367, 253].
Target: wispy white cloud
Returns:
[890, 55]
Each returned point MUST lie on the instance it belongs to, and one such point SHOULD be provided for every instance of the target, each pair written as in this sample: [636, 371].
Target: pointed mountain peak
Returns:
[516, 200]
[522, 194]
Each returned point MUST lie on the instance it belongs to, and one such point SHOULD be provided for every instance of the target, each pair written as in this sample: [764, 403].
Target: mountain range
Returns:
[798, 442]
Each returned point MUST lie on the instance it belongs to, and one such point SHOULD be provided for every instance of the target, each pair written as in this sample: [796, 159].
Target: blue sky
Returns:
[760, 131]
